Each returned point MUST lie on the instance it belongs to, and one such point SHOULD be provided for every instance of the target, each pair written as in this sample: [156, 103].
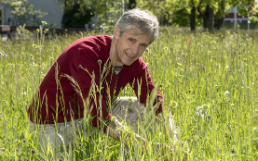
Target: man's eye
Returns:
[131, 40]
[143, 45]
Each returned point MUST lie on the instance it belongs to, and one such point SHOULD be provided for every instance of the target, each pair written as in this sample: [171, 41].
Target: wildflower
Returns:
[4, 55]
[255, 129]
[101, 26]
[147, 49]
[250, 38]
[226, 92]
[183, 54]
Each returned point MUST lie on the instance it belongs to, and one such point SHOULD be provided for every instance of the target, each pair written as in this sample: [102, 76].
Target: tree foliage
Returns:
[158, 8]
[107, 12]
[23, 11]
[208, 13]
[77, 13]
[98, 12]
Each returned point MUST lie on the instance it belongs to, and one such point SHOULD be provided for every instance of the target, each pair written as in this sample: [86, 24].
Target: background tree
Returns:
[158, 8]
[209, 12]
[77, 13]
[24, 12]
[132, 4]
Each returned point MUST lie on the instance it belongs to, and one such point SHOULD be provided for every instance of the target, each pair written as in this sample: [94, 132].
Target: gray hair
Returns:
[145, 23]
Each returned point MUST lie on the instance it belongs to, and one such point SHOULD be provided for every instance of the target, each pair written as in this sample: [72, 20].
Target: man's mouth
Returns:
[131, 57]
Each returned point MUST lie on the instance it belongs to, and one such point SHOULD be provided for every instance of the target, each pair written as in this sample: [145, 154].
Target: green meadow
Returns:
[209, 82]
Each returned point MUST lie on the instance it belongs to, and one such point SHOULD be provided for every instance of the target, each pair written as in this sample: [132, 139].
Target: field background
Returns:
[208, 80]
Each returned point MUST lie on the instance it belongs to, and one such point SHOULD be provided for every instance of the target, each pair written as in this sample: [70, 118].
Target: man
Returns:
[87, 78]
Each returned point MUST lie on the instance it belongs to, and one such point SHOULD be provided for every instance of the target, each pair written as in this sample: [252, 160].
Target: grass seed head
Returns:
[33, 151]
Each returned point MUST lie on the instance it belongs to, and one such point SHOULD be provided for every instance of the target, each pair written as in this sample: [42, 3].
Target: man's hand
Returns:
[129, 136]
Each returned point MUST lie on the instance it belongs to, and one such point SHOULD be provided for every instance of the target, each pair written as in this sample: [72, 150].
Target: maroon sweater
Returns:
[58, 99]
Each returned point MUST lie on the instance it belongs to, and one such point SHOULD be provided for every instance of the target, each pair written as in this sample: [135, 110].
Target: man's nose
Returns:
[135, 49]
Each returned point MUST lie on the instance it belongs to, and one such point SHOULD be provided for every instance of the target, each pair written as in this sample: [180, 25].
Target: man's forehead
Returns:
[135, 34]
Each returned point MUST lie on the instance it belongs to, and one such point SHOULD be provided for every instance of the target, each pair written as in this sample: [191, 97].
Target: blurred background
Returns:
[88, 15]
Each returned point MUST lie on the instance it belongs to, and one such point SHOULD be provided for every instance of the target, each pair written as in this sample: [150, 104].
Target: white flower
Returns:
[226, 92]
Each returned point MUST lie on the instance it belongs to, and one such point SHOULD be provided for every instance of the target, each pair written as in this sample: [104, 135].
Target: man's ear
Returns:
[117, 33]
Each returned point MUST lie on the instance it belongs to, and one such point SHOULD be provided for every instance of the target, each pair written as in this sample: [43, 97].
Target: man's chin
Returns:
[127, 64]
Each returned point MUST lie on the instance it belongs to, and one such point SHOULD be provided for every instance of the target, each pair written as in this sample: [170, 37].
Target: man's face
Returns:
[129, 47]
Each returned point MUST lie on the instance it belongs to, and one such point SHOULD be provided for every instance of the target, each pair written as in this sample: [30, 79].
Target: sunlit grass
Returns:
[209, 82]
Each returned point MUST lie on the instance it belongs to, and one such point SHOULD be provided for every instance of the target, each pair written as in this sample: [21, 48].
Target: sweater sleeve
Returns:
[143, 78]
[85, 71]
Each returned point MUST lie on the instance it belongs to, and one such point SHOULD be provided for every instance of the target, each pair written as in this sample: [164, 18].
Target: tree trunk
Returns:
[208, 18]
[132, 4]
[218, 22]
[219, 17]
[192, 19]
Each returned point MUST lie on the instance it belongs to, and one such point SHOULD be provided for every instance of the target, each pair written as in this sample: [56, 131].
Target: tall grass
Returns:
[209, 82]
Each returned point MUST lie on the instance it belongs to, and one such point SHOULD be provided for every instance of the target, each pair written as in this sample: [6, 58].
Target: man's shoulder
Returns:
[138, 66]
[92, 42]
[96, 45]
